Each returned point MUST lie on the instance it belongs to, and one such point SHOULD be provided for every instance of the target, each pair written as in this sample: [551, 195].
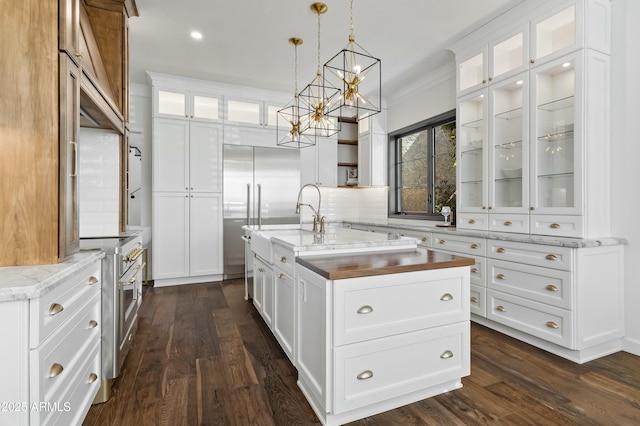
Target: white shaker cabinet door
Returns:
[205, 157]
[170, 235]
[170, 155]
[205, 234]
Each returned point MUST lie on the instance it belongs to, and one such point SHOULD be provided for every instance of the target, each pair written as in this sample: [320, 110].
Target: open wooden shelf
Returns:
[348, 141]
[347, 164]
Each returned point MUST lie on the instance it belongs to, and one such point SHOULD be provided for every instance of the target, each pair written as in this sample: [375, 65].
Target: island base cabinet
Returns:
[371, 372]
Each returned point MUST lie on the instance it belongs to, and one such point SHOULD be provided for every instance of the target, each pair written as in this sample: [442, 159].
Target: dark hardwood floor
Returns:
[203, 356]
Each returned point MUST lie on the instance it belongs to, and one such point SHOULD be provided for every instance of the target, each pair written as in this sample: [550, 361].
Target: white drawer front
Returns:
[540, 320]
[532, 254]
[509, 223]
[477, 271]
[57, 361]
[48, 312]
[475, 221]
[478, 300]
[560, 226]
[374, 307]
[283, 259]
[544, 285]
[399, 364]
[459, 244]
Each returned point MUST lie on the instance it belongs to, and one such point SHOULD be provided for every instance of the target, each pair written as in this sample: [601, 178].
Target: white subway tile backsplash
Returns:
[348, 204]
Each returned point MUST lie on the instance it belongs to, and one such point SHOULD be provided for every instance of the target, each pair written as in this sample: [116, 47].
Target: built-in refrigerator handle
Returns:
[259, 206]
[248, 204]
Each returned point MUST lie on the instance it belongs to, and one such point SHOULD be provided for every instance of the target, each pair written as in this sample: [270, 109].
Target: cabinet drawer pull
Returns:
[508, 223]
[92, 280]
[446, 297]
[472, 221]
[474, 270]
[281, 276]
[552, 324]
[93, 377]
[501, 277]
[551, 287]
[442, 241]
[474, 299]
[55, 370]
[423, 239]
[500, 308]
[551, 257]
[55, 309]
[366, 374]
[283, 259]
[474, 246]
[93, 324]
[366, 309]
[554, 226]
[500, 250]
[446, 355]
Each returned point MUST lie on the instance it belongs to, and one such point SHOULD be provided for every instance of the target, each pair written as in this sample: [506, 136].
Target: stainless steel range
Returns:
[122, 272]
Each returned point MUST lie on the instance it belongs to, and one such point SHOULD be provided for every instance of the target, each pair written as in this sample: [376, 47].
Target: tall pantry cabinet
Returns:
[56, 66]
[187, 187]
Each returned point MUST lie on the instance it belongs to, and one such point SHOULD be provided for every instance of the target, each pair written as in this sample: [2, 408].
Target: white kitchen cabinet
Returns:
[351, 333]
[252, 112]
[524, 140]
[263, 289]
[528, 36]
[185, 104]
[52, 351]
[187, 156]
[187, 241]
[372, 159]
[284, 310]
[318, 163]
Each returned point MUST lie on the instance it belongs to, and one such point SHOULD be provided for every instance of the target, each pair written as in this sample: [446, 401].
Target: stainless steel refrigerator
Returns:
[258, 183]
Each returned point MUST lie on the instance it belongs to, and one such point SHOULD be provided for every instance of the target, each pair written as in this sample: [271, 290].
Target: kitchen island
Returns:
[370, 322]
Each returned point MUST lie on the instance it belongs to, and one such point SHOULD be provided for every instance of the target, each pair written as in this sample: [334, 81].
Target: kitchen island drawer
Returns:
[374, 371]
[373, 307]
[554, 257]
[546, 322]
[50, 311]
[543, 285]
[459, 244]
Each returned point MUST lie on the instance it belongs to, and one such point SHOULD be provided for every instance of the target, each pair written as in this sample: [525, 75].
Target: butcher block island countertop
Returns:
[336, 267]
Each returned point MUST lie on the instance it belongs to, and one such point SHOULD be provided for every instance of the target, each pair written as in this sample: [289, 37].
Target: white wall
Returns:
[625, 112]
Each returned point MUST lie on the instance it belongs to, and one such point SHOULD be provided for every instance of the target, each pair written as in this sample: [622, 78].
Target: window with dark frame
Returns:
[424, 168]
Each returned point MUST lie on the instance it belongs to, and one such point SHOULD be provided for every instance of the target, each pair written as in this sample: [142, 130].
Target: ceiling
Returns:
[246, 41]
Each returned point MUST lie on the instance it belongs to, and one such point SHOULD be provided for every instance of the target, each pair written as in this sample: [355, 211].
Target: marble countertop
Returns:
[29, 282]
[508, 236]
[301, 238]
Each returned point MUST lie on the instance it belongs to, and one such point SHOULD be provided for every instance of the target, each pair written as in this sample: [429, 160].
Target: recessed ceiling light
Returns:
[196, 35]
[566, 64]
[519, 82]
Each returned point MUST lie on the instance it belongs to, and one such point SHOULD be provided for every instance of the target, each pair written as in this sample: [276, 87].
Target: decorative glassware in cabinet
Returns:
[509, 101]
[555, 136]
[471, 135]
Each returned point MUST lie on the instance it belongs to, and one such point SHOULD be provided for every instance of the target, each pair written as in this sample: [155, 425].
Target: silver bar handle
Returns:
[259, 206]
[248, 204]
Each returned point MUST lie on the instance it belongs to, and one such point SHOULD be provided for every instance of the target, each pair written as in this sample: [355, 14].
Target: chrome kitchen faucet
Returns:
[317, 219]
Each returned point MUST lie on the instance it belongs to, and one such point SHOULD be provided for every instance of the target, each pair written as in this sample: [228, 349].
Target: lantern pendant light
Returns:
[357, 74]
[318, 97]
[290, 120]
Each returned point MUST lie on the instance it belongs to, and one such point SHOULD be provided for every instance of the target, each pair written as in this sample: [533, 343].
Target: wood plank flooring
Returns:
[203, 356]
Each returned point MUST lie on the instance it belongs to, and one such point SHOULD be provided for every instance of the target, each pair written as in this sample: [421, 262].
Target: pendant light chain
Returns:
[295, 69]
[351, 36]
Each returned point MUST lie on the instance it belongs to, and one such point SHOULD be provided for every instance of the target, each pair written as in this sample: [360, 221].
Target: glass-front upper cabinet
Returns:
[509, 55]
[172, 103]
[509, 135]
[472, 71]
[555, 34]
[252, 112]
[472, 153]
[555, 146]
